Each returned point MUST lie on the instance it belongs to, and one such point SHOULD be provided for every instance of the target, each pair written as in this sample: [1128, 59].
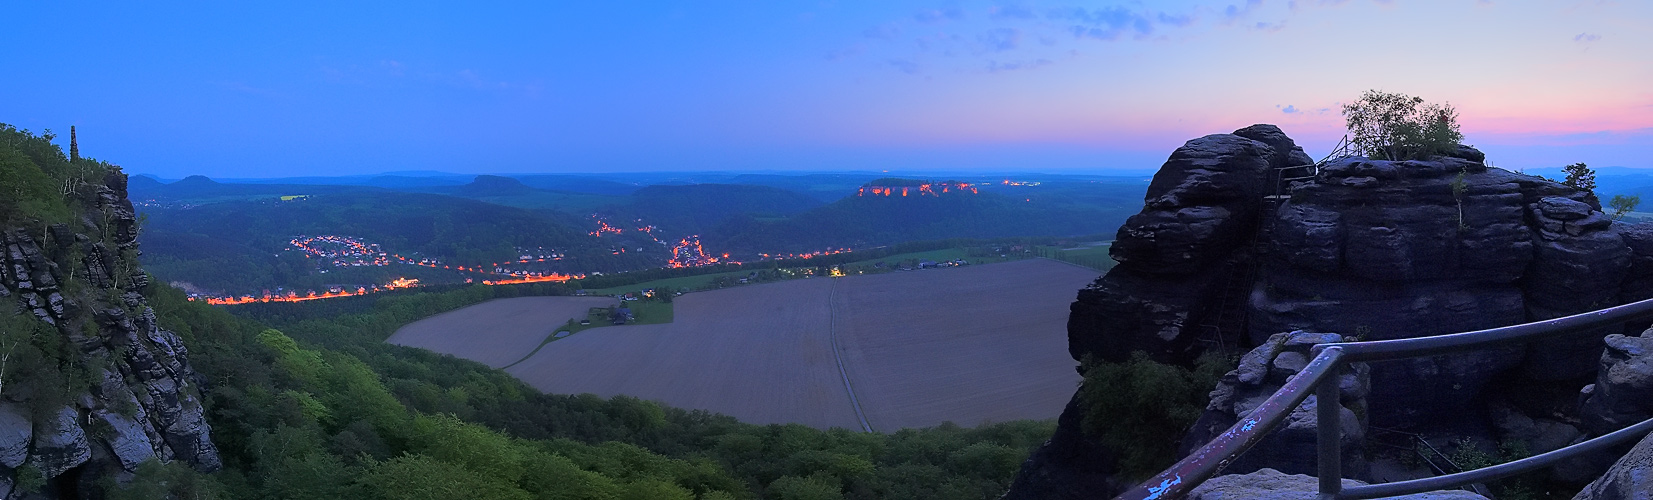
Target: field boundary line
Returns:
[837, 355]
[543, 342]
[1081, 266]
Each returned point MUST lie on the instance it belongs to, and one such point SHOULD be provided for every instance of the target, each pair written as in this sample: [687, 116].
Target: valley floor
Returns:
[968, 345]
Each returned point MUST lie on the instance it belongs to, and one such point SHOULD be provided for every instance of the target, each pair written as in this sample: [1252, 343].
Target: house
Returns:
[621, 316]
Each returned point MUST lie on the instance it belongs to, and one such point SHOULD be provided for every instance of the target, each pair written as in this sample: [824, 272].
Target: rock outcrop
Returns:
[1291, 448]
[1368, 249]
[1270, 484]
[143, 401]
[1631, 478]
[1178, 258]
[1623, 392]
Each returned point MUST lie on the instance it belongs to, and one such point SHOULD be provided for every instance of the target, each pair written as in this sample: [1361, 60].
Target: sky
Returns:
[272, 89]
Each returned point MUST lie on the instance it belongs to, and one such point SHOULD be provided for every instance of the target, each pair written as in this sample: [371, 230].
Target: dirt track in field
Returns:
[968, 345]
[496, 332]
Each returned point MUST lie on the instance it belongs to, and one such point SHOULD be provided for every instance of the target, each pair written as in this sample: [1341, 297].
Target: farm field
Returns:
[498, 332]
[968, 345]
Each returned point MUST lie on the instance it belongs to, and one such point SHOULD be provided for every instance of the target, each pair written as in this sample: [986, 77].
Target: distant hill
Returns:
[513, 192]
[876, 216]
[577, 184]
[250, 234]
[699, 207]
[492, 185]
[200, 189]
[823, 187]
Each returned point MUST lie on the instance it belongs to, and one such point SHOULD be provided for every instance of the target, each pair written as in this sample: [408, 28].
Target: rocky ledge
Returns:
[1226, 255]
[143, 402]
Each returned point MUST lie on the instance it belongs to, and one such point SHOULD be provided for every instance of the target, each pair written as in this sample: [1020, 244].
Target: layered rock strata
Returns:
[1369, 249]
[143, 402]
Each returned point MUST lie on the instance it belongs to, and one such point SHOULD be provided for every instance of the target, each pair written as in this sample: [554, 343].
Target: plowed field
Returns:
[496, 332]
[969, 345]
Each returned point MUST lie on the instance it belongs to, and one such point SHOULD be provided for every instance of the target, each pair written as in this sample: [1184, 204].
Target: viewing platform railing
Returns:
[1210, 459]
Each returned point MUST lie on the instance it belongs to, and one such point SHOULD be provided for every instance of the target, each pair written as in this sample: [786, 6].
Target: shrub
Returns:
[1394, 126]
[1622, 204]
[1580, 177]
[1141, 408]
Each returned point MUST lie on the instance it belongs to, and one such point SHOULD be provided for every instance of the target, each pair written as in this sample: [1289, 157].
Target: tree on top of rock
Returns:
[1580, 177]
[1394, 126]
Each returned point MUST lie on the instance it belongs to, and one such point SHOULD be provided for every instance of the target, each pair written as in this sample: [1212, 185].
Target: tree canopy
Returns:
[1394, 126]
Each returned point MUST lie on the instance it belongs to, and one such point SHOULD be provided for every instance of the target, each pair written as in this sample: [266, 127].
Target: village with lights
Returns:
[335, 252]
[340, 251]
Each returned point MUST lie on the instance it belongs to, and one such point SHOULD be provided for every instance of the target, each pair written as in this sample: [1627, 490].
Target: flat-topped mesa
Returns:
[1368, 249]
[914, 188]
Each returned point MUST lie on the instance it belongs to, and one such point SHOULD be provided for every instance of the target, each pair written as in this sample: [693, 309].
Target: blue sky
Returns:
[231, 89]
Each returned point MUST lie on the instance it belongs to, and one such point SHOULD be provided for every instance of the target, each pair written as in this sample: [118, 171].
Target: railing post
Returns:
[1329, 424]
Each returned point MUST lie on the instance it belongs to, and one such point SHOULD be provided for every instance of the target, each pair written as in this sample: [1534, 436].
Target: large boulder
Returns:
[1292, 447]
[60, 443]
[1631, 478]
[1184, 255]
[1579, 263]
[15, 435]
[1623, 392]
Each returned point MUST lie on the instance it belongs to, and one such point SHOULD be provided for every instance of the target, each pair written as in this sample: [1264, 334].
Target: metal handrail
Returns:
[1178, 480]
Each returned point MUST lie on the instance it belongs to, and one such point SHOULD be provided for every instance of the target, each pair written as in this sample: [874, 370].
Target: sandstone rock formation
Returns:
[143, 401]
[1291, 448]
[1270, 484]
[1623, 392]
[1366, 248]
[1631, 478]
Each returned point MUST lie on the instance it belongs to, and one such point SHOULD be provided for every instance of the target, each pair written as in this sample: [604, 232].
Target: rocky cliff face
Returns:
[132, 395]
[1367, 249]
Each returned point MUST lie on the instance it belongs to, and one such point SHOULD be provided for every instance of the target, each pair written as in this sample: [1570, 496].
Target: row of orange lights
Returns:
[922, 189]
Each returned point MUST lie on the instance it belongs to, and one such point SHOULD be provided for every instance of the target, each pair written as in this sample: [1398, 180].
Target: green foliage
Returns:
[1622, 204]
[415, 477]
[323, 408]
[172, 480]
[555, 477]
[654, 489]
[1394, 126]
[1582, 178]
[1522, 487]
[1141, 408]
[27, 192]
[29, 478]
[814, 487]
[477, 448]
